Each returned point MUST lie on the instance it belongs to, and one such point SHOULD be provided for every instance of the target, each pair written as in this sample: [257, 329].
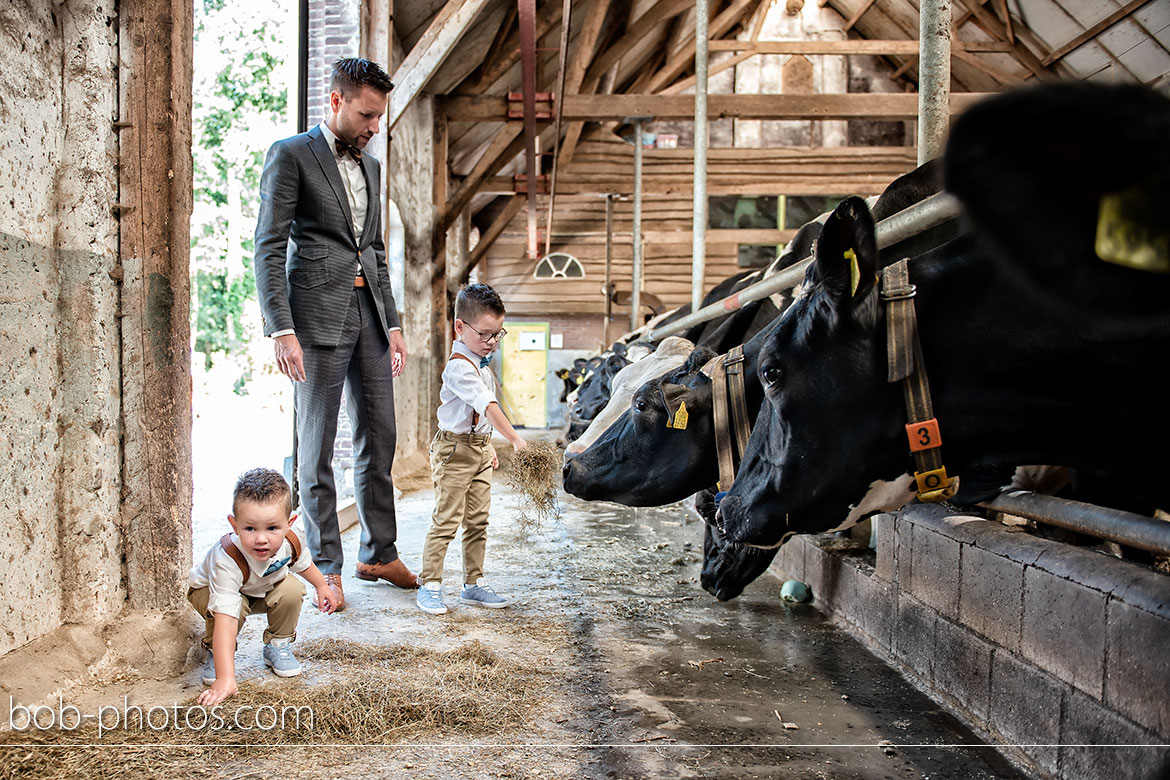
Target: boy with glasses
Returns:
[462, 457]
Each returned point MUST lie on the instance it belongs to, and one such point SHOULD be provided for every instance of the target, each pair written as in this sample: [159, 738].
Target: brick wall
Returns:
[1046, 649]
[578, 331]
[334, 32]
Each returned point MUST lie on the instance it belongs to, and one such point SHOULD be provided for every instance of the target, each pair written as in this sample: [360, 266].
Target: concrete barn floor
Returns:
[649, 676]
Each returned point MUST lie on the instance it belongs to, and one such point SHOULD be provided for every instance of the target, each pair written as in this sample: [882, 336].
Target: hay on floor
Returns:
[366, 694]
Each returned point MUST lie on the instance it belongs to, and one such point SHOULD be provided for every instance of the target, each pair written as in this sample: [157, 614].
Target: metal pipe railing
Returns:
[1144, 533]
[919, 218]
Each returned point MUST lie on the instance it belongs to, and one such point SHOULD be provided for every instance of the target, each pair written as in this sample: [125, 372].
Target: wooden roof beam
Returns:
[599, 108]
[852, 46]
[508, 54]
[990, 24]
[429, 54]
[860, 12]
[1092, 32]
[493, 232]
[658, 13]
[736, 13]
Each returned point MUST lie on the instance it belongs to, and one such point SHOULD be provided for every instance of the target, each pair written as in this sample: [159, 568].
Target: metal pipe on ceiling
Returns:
[699, 210]
[919, 218]
[527, 18]
[608, 288]
[636, 293]
[1133, 530]
[934, 77]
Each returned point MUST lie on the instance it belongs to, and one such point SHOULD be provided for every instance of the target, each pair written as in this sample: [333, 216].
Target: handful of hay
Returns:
[535, 473]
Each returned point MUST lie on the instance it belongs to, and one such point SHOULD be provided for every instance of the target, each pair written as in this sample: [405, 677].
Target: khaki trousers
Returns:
[461, 467]
[282, 605]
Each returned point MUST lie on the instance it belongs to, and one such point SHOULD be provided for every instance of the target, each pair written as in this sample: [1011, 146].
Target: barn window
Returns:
[559, 265]
[734, 212]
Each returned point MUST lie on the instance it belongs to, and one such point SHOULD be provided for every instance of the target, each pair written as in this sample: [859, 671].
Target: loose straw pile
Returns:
[370, 694]
[535, 472]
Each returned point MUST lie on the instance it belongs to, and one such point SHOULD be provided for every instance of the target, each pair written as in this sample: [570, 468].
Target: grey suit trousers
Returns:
[361, 364]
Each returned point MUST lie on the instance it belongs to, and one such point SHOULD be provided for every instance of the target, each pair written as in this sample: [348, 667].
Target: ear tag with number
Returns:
[1129, 234]
[679, 421]
[854, 272]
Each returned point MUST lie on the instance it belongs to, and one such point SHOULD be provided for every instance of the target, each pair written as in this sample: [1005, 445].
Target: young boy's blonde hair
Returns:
[262, 486]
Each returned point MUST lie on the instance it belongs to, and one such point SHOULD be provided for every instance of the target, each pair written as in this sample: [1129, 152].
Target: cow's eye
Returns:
[639, 404]
[770, 376]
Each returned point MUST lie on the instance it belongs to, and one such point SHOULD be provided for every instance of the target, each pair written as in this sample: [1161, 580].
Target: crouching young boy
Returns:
[246, 573]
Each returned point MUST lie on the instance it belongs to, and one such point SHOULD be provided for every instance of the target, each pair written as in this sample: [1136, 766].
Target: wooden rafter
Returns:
[1002, 76]
[505, 146]
[587, 41]
[635, 33]
[431, 51]
[736, 13]
[860, 12]
[852, 46]
[493, 232]
[599, 108]
[1093, 31]
[991, 25]
[509, 52]
[1001, 8]
[717, 67]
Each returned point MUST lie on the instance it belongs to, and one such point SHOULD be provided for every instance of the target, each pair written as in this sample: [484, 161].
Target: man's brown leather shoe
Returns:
[334, 583]
[394, 572]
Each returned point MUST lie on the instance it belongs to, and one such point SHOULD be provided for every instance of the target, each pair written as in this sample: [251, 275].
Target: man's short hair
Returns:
[262, 486]
[475, 299]
[352, 73]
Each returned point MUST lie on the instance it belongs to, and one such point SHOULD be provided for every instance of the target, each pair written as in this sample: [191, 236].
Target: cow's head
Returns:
[639, 461]
[594, 392]
[728, 568]
[823, 425]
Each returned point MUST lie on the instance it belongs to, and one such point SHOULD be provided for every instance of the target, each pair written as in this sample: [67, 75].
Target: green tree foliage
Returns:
[240, 108]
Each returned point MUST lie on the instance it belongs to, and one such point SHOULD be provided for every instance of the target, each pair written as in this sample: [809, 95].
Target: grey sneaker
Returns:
[430, 599]
[279, 656]
[482, 596]
[208, 670]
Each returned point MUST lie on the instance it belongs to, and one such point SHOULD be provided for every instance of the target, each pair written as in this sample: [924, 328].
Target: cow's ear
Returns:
[698, 358]
[847, 253]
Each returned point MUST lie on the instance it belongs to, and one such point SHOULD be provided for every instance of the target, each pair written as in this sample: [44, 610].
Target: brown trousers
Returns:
[461, 467]
[282, 605]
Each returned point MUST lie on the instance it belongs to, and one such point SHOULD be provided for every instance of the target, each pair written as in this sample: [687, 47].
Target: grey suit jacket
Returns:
[306, 255]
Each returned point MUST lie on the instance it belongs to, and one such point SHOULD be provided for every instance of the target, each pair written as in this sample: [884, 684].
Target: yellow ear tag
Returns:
[679, 421]
[854, 272]
[1136, 243]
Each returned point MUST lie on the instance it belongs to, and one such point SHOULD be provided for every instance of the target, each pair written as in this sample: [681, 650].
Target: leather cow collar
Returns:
[729, 406]
[905, 365]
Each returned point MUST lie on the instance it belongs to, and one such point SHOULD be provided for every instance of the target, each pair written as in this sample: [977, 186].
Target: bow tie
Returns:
[343, 149]
[484, 361]
[276, 565]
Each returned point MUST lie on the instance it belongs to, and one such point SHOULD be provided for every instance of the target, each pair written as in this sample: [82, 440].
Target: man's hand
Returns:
[219, 690]
[397, 352]
[289, 357]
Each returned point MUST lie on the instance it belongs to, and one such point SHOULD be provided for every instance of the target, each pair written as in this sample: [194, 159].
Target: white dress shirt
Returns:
[354, 181]
[221, 575]
[466, 389]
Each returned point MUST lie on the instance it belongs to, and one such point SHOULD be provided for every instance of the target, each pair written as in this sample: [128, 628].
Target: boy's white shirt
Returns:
[221, 575]
[466, 388]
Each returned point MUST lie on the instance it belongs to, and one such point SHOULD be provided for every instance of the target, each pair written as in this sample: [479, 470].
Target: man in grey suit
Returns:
[324, 290]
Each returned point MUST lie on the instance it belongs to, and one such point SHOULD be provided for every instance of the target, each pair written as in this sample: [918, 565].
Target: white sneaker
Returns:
[430, 598]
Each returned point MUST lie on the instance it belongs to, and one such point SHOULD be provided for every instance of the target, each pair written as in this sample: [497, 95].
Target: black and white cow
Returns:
[1037, 350]
[638, 461]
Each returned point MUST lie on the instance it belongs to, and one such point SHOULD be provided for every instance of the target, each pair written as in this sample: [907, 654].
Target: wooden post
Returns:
[154, 73]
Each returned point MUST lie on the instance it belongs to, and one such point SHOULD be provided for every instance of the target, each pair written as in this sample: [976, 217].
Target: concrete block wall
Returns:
[1040, 647]
[60, 544]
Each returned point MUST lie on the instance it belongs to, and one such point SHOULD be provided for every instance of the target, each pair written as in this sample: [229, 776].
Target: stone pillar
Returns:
[155, 68]
[86, 240]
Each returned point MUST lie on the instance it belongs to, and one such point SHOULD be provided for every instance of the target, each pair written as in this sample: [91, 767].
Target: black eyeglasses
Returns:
[488, 337]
